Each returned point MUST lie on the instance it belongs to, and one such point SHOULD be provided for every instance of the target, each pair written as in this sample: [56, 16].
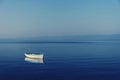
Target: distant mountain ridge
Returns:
[114, 37]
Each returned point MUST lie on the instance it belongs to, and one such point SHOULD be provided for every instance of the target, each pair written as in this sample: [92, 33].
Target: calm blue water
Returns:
[62, 61]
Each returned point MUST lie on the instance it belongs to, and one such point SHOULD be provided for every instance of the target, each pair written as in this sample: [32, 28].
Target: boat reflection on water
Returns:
[34, 60]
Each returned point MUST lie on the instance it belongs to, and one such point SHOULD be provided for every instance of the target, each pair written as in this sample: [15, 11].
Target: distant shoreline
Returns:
[60, 42]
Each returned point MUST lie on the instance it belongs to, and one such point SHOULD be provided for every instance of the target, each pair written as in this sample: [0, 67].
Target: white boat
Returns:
[38, 56]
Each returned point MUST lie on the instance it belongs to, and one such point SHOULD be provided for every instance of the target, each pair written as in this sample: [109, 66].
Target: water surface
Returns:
[62, 61]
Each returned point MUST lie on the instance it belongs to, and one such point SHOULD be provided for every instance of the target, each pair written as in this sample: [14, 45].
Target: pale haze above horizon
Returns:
[35, 18]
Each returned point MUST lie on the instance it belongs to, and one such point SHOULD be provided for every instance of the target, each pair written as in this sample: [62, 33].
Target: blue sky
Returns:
[35, 18]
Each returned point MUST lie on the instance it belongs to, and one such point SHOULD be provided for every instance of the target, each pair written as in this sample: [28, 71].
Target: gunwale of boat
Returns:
[35, 56]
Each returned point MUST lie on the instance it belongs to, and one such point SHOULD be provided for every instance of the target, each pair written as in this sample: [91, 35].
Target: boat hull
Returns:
[34, 55]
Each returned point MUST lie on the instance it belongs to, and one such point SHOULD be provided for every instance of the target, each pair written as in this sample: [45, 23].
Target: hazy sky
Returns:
[34, 18]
